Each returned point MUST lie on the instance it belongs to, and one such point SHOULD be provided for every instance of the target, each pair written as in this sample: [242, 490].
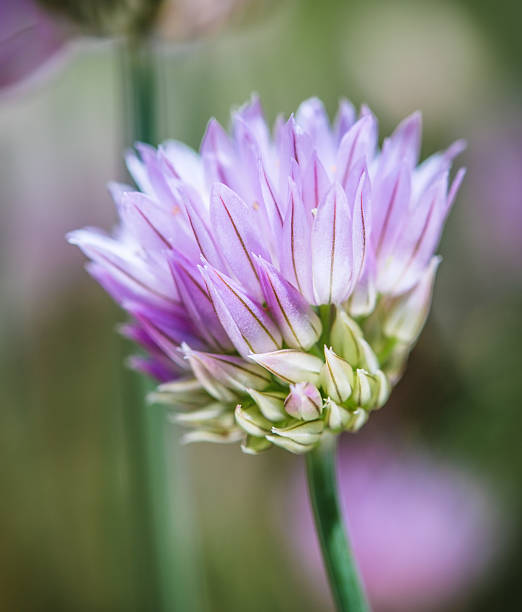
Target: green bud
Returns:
[252, 421]
[364, 387]
[290, 365]
[208, 415]
[345, 338]
[337, 417]
[203, 435]
[308, 432]
[358, 418]
[336, 377]
[252, 445]
[290, 445]
[271, 403]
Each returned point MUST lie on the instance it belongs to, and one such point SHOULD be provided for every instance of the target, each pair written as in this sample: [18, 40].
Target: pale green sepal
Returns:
[290, 365]
[337, 418]
[252, 421]
[358, 418]
[271, 404]
[252, 445]
[308, 432]
[290, 445]
[345, 337]
[201, 435]
[336, 376]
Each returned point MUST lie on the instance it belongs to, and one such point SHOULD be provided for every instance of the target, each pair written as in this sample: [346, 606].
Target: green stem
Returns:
[340, 564]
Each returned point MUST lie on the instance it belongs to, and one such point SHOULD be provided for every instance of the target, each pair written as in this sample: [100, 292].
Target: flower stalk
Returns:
[341, 568]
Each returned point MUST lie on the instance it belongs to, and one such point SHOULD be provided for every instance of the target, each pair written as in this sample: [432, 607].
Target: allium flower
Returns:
[277, 283]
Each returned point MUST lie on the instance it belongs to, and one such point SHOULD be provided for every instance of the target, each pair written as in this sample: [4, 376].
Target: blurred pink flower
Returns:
[422, 531]
[29, 39]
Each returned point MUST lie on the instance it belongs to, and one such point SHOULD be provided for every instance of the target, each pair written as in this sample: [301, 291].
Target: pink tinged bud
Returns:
[408, 313]
[270, 403]
[236, 235]
[337, 417]
[336, 377]
[332, 249]
[307, 432]
[290, 366]
[233, 372]
[252, 421]
[248, 326]
[296, 256]
[252, 445]
[299, 324]
[304, 402]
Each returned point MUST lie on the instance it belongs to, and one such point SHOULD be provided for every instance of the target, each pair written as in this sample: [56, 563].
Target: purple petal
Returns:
[297, 321]
[196, 299]
[295, 256]
[236, 235]
[358, 142]
[248, 326]
[315, 183]
[332, 253]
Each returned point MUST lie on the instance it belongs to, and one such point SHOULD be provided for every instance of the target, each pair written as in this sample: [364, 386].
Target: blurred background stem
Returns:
[338, 558]
[159, 476]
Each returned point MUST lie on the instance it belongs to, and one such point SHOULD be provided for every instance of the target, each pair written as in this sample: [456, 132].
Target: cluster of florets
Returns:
[278, 282]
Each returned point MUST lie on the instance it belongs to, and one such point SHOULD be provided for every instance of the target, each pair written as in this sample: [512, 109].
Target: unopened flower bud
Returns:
[252, 421]
[364, 387]
[180, 393]
[202, 435]
[290, 445]
[345, 338]
[302, 433]
[206, 415]
[290, 365]
[304, 402]
[233, 372]
[408, 312]
[253, 445]
[358, 418]
[383, 389]
[337, 417]
[336, 376]
[271, 403]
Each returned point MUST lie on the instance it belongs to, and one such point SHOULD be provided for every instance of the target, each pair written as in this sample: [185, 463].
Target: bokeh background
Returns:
[87, 522]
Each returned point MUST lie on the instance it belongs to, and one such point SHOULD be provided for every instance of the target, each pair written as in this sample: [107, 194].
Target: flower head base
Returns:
[277, 283]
